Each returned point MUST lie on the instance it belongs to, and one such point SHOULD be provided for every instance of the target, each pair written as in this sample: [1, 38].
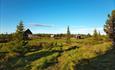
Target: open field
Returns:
[55, 54]
[57, 34]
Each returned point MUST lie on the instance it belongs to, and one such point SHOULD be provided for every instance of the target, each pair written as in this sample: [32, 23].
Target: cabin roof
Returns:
[28, 31]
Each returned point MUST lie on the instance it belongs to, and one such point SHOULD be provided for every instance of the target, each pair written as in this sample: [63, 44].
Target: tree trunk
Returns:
[113, 42]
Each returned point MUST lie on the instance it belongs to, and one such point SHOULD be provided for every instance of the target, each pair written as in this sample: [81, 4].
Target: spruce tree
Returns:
[109, 27]
[95, 34]
[88, 35]
[21, 45]
[20, 31]
[68, 35]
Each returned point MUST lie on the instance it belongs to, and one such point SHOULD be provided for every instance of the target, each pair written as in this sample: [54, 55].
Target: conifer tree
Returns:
[95, 34]
[68, 35]
[19, 31]
[20, 47]
[88, 35]
[109, 27]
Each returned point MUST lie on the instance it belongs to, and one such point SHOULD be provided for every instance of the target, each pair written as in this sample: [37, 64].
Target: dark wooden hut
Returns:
[27, 34]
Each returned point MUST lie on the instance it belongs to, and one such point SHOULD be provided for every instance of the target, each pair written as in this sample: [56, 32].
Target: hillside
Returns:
[102, 62]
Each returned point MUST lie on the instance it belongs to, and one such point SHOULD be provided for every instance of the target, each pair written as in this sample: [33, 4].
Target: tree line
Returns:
[109, 28]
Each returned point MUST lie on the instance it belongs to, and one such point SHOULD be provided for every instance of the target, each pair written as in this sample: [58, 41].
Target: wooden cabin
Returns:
[27, 34]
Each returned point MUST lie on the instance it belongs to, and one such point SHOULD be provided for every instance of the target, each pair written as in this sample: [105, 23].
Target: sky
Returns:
[54, 16]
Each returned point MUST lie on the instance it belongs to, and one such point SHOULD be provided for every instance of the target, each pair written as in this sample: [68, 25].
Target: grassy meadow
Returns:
[56, 54]
[57, 34]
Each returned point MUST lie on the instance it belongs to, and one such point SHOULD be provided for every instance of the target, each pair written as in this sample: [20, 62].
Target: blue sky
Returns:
[53, 16]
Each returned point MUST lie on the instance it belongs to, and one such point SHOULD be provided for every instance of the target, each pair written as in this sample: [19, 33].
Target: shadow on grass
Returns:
[101, 62]
[18, 63]
[38, 55]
